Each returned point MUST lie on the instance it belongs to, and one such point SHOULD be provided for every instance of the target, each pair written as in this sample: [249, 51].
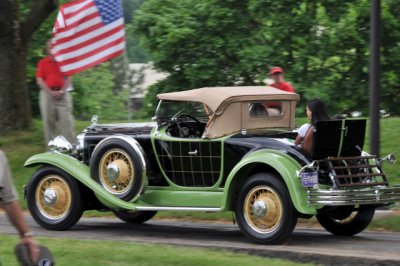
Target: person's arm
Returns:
[67, 83]
[15, 215]
[298, 139]
[301, 134]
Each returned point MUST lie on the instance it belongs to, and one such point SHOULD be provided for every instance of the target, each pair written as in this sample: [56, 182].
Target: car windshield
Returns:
[168, 109]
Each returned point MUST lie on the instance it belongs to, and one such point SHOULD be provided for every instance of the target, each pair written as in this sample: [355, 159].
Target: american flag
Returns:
[87, 33]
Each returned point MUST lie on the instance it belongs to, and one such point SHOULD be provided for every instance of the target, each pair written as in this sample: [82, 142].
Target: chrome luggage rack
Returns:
[355, 180]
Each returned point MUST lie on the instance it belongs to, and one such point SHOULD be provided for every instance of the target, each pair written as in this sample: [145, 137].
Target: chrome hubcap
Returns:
[50, 197]
[113, 172]
[260, 209]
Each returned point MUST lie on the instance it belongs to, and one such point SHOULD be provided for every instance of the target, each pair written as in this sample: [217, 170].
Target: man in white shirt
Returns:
[9, 202]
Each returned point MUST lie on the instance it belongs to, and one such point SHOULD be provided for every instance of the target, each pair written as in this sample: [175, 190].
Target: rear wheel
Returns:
[264, 210]
[347, 220]
[54, 199]
[137, 217]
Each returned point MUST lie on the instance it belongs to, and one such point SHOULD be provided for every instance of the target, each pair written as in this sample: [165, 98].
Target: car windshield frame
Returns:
[167, 109]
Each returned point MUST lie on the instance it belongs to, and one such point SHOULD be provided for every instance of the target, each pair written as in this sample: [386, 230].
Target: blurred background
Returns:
[323, 46]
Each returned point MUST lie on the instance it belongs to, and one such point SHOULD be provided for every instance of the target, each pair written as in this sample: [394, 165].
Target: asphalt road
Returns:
[307, 245]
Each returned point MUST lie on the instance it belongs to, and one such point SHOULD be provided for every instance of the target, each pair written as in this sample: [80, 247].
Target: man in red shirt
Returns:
[277, 74]
[55, 100]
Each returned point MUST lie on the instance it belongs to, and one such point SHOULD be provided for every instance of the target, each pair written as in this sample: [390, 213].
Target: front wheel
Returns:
[54, 199]
[347, 220]
[264, 210]
[137, 217]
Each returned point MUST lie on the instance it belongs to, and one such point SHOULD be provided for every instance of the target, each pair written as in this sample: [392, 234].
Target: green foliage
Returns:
[391, 223]
[93, 95]
[323, 45]
[134, 50]
[207, 43]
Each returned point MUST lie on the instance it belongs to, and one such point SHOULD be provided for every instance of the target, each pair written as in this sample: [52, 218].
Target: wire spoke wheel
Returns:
[263, 209]
[53, 197]
[120, 181]
[118, 165]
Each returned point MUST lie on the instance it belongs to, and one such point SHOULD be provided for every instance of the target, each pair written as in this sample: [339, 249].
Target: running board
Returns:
[154, 208]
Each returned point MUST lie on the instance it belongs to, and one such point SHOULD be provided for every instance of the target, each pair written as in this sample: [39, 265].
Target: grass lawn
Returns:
[100, 252]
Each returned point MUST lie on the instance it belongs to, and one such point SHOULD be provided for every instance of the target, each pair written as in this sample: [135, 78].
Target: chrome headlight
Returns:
[61, 145]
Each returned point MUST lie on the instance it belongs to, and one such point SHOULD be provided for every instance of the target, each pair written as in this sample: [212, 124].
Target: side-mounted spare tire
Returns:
[118, 164]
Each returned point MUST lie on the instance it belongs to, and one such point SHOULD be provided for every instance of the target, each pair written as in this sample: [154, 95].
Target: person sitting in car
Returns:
[315, 111]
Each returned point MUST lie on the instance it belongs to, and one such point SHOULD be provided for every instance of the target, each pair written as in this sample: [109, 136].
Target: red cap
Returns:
[275, 70]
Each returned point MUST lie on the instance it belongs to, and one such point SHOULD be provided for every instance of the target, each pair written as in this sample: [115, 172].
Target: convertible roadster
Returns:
[221, 149]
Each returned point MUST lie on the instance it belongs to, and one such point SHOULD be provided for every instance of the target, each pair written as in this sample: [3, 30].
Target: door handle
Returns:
[192, 152]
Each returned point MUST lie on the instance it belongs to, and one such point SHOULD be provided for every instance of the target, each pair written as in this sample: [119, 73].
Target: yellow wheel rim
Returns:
[263, 209]
[123, 177]
[53, 197]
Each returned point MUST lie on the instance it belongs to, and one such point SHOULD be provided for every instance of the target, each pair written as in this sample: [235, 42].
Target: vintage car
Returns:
[222, 149]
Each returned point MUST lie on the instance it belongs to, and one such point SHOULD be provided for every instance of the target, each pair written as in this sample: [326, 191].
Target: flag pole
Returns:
[126, 73]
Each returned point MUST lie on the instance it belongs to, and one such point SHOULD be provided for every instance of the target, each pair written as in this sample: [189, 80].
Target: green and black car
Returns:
[223, 149]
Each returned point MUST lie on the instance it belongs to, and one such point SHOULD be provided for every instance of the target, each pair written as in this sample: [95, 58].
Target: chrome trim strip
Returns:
[374, 195]
[154, 208]
[80, 144]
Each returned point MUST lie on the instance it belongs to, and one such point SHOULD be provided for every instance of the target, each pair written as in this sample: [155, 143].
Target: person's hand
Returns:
[57, 95]
[33, 247]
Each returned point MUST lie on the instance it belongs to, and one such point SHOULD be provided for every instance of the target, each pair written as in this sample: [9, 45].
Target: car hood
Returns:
[122, 128]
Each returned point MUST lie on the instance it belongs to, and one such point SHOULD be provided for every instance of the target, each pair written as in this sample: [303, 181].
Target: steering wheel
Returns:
[183, 115]
[185, 130]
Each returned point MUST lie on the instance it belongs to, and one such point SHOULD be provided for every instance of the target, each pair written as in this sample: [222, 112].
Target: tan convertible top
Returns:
[215, 97]
[231, 105]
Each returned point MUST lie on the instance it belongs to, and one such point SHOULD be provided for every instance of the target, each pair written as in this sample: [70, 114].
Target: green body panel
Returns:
[287, 168]
[173, 196]
[153, 196]
[81, 172]
[166, 197]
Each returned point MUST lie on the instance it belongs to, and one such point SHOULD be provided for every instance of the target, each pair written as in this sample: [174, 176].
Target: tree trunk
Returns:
[15, 111]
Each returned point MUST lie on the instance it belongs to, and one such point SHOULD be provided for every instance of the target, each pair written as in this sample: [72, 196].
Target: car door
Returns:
[189, 162]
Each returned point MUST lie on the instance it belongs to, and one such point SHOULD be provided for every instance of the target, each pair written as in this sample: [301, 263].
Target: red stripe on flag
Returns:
[103, 59]
[80, 22]
[79, 34]
[90, 41]
[76, 12]
[92, 52]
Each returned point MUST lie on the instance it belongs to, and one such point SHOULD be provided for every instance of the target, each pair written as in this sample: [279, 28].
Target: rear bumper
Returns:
[371, 195]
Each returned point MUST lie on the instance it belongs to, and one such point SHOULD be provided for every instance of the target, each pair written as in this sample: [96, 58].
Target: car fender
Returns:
[81, 172]
[283, 164]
